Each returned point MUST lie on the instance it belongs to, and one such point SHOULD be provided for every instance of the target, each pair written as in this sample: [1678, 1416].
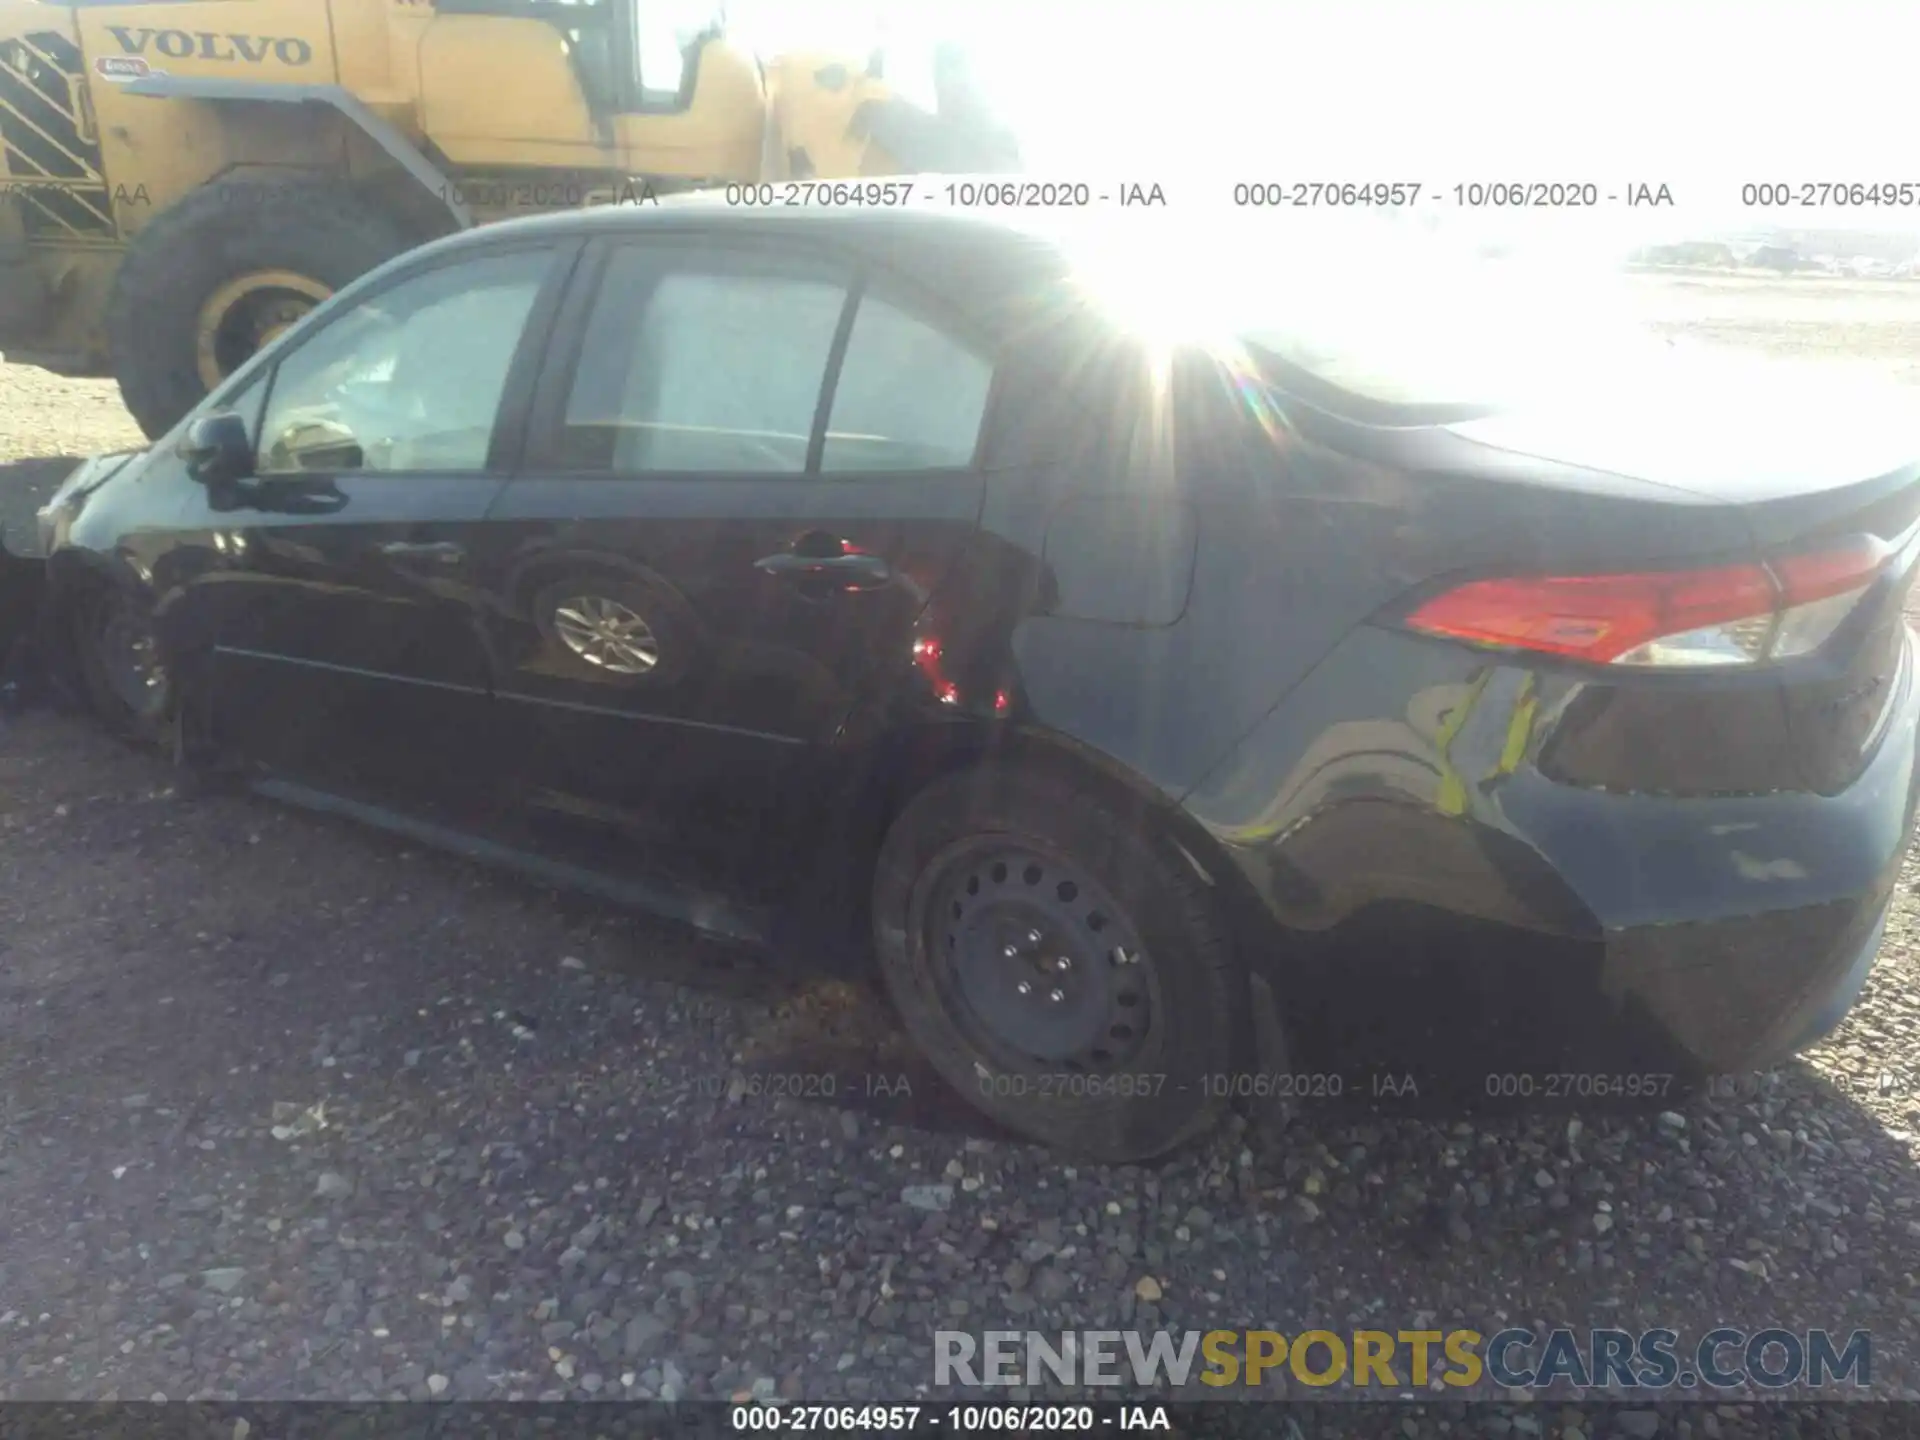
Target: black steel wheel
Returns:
[1059, 964]
[121, 664]
[1035, 961]
[128, 683]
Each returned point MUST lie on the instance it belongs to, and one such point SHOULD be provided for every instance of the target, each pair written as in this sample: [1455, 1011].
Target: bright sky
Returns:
[1700, 94]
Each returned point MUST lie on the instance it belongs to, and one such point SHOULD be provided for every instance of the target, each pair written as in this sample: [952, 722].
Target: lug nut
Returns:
[1024, 988]
[1057, 996]
[1012, 952]
[1063, 963]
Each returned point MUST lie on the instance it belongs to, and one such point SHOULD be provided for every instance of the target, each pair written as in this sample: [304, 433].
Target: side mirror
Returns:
[217, 449]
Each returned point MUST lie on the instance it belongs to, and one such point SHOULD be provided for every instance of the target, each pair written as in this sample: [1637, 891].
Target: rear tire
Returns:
[1122, 1053]
[320, 231]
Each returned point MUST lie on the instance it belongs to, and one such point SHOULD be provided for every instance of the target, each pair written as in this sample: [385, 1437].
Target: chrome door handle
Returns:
[445, 552]
[856, 569]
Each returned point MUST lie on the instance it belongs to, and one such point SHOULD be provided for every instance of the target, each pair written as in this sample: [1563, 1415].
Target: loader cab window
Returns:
[667, 41]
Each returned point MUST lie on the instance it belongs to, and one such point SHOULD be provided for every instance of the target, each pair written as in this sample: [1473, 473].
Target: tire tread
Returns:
[321, 226]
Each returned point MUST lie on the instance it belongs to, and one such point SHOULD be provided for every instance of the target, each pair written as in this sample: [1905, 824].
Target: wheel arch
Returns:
[904, 764]
[76, 576]
[222, 90]
[76, 573]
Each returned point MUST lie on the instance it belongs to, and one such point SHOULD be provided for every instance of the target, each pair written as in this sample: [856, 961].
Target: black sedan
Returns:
[1168, 717]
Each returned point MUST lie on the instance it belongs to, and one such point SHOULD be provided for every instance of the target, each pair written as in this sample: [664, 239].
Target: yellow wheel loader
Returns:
[180, 180]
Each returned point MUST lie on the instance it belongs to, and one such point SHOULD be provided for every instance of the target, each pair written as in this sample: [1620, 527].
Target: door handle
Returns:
[860, 571]
[445, 552]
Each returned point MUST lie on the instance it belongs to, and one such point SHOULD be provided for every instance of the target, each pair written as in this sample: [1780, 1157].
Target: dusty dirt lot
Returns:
[47, 424]
[1863, 323]
[287, 1109]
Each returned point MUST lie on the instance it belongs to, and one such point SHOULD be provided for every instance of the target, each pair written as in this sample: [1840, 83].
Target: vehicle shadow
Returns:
[828, 1036]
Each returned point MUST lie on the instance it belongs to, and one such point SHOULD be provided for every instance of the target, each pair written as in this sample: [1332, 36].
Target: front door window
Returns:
[409, 379]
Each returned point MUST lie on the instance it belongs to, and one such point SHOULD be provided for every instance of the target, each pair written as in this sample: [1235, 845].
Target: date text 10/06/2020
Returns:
[1635, 1087]
[950, 1419]
[1328, 1086]
[1641, 1087]
[1264, 193]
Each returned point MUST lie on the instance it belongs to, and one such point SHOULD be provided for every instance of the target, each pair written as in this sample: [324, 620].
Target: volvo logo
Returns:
[207, 45]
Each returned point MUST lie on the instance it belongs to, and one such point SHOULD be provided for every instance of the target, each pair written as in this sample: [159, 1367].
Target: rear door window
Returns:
[704, 361]
[910, 395]
[702, 364]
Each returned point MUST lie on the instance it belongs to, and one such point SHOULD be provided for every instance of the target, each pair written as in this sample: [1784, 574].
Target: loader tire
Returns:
[287, 243]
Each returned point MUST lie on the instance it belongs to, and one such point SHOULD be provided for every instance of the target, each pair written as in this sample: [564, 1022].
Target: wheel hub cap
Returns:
[1040, 962]
[130, 660]
[606, 634]
[247, 313]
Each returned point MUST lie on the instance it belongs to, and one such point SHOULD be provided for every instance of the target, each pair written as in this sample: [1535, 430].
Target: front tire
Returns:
[141, 700]
[120, 668]
[1059, 965]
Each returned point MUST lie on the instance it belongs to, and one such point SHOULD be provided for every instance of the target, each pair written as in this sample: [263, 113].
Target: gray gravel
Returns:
[289, 1110]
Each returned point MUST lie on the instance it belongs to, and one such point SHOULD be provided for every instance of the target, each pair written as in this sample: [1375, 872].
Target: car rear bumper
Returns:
[1787, 911]
[1456, 891]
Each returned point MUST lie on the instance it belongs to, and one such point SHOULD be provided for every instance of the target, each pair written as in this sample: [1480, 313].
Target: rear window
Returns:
[1388, 314]
[1440, 334]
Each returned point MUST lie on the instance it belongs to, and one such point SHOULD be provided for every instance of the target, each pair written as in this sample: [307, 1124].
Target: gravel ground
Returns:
[47, 425]
[290, 1110]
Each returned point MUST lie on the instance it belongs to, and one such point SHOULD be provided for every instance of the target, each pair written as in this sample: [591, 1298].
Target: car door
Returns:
[347, 635]
[747, 471]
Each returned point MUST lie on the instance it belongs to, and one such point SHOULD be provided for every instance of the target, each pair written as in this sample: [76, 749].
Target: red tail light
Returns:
[1729, 615]
[1820, 574]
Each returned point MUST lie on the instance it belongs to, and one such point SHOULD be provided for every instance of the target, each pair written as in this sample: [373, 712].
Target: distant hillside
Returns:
[1841, 244]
